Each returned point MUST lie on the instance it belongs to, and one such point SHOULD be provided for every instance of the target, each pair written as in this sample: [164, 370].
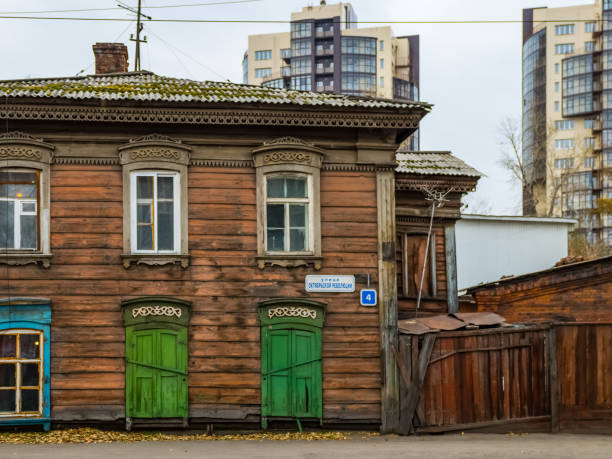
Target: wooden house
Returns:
[575, 292]
[157, 234]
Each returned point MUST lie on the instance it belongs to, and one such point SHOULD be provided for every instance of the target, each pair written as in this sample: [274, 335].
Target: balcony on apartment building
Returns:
[325, 50]
[323, 32]
[324, 67]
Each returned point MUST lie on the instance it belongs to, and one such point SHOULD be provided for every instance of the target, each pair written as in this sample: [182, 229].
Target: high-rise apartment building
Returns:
[567, 114]
[324, 51]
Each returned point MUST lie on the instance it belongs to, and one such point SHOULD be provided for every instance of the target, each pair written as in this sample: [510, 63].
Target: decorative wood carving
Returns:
[286, 157]
[21, 146]
[145, 311]
[292, 311]
[288, 141]
[155, 260]
[289, 262]
[339, 118]
[154, 147]
[21, 259]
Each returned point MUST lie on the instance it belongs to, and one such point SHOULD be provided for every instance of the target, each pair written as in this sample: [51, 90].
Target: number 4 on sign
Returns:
[367, 297]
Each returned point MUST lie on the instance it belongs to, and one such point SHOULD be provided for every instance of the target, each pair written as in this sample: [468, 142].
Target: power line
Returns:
[268, 21]
[170, 46]
[114, 9]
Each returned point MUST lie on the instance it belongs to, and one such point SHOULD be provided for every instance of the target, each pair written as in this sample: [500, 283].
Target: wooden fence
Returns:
[540, 377]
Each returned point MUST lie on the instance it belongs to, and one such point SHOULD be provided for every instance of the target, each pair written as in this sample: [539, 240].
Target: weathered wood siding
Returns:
[575, 293]
[86, 283]
[584, 372]
[480, 377]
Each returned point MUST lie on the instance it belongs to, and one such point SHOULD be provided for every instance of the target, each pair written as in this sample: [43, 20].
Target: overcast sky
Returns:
[470, 72]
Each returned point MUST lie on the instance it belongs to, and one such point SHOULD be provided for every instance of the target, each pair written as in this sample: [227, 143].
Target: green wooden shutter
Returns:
[156, 379]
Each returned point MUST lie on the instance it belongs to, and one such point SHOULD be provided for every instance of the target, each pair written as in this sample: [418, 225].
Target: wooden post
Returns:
[387, 291]
[451, 268]
[554, 382]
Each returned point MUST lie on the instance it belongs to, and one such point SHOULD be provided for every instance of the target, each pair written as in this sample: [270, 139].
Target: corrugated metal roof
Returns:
[146, 86]
[433, 163]
[450, 322]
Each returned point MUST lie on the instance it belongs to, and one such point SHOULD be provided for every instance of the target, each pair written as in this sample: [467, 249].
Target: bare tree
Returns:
[511, 158]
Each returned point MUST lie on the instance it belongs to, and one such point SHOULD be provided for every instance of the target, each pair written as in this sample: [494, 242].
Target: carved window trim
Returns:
[19, 150]
[289, 155]
[155, 153]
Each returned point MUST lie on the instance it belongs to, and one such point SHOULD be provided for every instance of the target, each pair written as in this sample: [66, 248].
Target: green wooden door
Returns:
[156, 379]
[291, 372]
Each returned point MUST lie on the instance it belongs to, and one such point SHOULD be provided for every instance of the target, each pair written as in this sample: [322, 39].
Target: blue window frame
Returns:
[25, 325]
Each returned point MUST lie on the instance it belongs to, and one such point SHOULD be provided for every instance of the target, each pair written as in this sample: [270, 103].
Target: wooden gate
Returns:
[478, 378]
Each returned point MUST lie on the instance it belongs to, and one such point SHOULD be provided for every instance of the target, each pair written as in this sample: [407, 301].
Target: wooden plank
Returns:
[416, 388]
[405, 356]
[451, 268]
[387, 287]
[554, 383]
[480, 425]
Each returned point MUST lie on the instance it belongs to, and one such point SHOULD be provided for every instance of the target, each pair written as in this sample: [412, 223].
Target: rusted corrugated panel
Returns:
[413, 327]
[444, 322]
[486, 319]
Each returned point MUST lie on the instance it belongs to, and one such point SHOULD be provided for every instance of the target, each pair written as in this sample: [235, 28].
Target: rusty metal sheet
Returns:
[481, 319]
[413, 327]
[444, 322]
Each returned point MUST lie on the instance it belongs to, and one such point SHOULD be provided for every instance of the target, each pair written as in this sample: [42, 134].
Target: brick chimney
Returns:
[110, 58]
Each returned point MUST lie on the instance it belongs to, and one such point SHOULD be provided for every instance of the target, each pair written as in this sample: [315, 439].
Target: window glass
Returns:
[287, 218]
[564, 29]
[263, 55]
[18, 209]
[20, 372]
[156, 224]
[263, 72]
[564, 48]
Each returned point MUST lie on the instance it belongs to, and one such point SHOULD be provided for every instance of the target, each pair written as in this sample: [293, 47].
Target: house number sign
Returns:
[340, 283]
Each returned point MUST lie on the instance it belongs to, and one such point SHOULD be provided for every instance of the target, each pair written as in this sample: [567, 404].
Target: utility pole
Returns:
[139, 28]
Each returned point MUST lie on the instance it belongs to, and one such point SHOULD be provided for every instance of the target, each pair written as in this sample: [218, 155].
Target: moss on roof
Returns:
[150, 87]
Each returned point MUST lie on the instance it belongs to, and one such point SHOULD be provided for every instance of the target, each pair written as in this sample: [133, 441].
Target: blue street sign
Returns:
[367, 297]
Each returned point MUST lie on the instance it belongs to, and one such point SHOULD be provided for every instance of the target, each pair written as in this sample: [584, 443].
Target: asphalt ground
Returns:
[431, 446]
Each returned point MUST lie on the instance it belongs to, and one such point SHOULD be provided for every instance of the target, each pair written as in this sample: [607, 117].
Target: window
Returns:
[301, 48]
[155, 204]
[382, 82]
[564, 144]
[564, 29]
[589, 162]
[263, 72]
[360, 64]
[556, 105]
[301, 29]
[19, 209]
[155, 215]
[589, 46]
[382, 64]
[285, 53]
[24, 200]
[564, 48]
[564, 125]
[589, 27]
[557, 86]
[301, 83]
[288, 217]
[589, 141]
[589, 124]
[301, 66]
[564, 163]
[410, 257]
[381, 45]
[21, 372]
[287, 213]
[557, 67]
[263, 55]
[359, 45]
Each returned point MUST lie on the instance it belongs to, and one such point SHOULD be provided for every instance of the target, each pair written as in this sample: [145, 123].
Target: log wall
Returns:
[86, 283]
[574, 293]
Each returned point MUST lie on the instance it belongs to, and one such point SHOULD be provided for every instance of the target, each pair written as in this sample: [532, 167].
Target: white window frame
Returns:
[18, 212]
[18, 361]
[176, 209]
[287, 202]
